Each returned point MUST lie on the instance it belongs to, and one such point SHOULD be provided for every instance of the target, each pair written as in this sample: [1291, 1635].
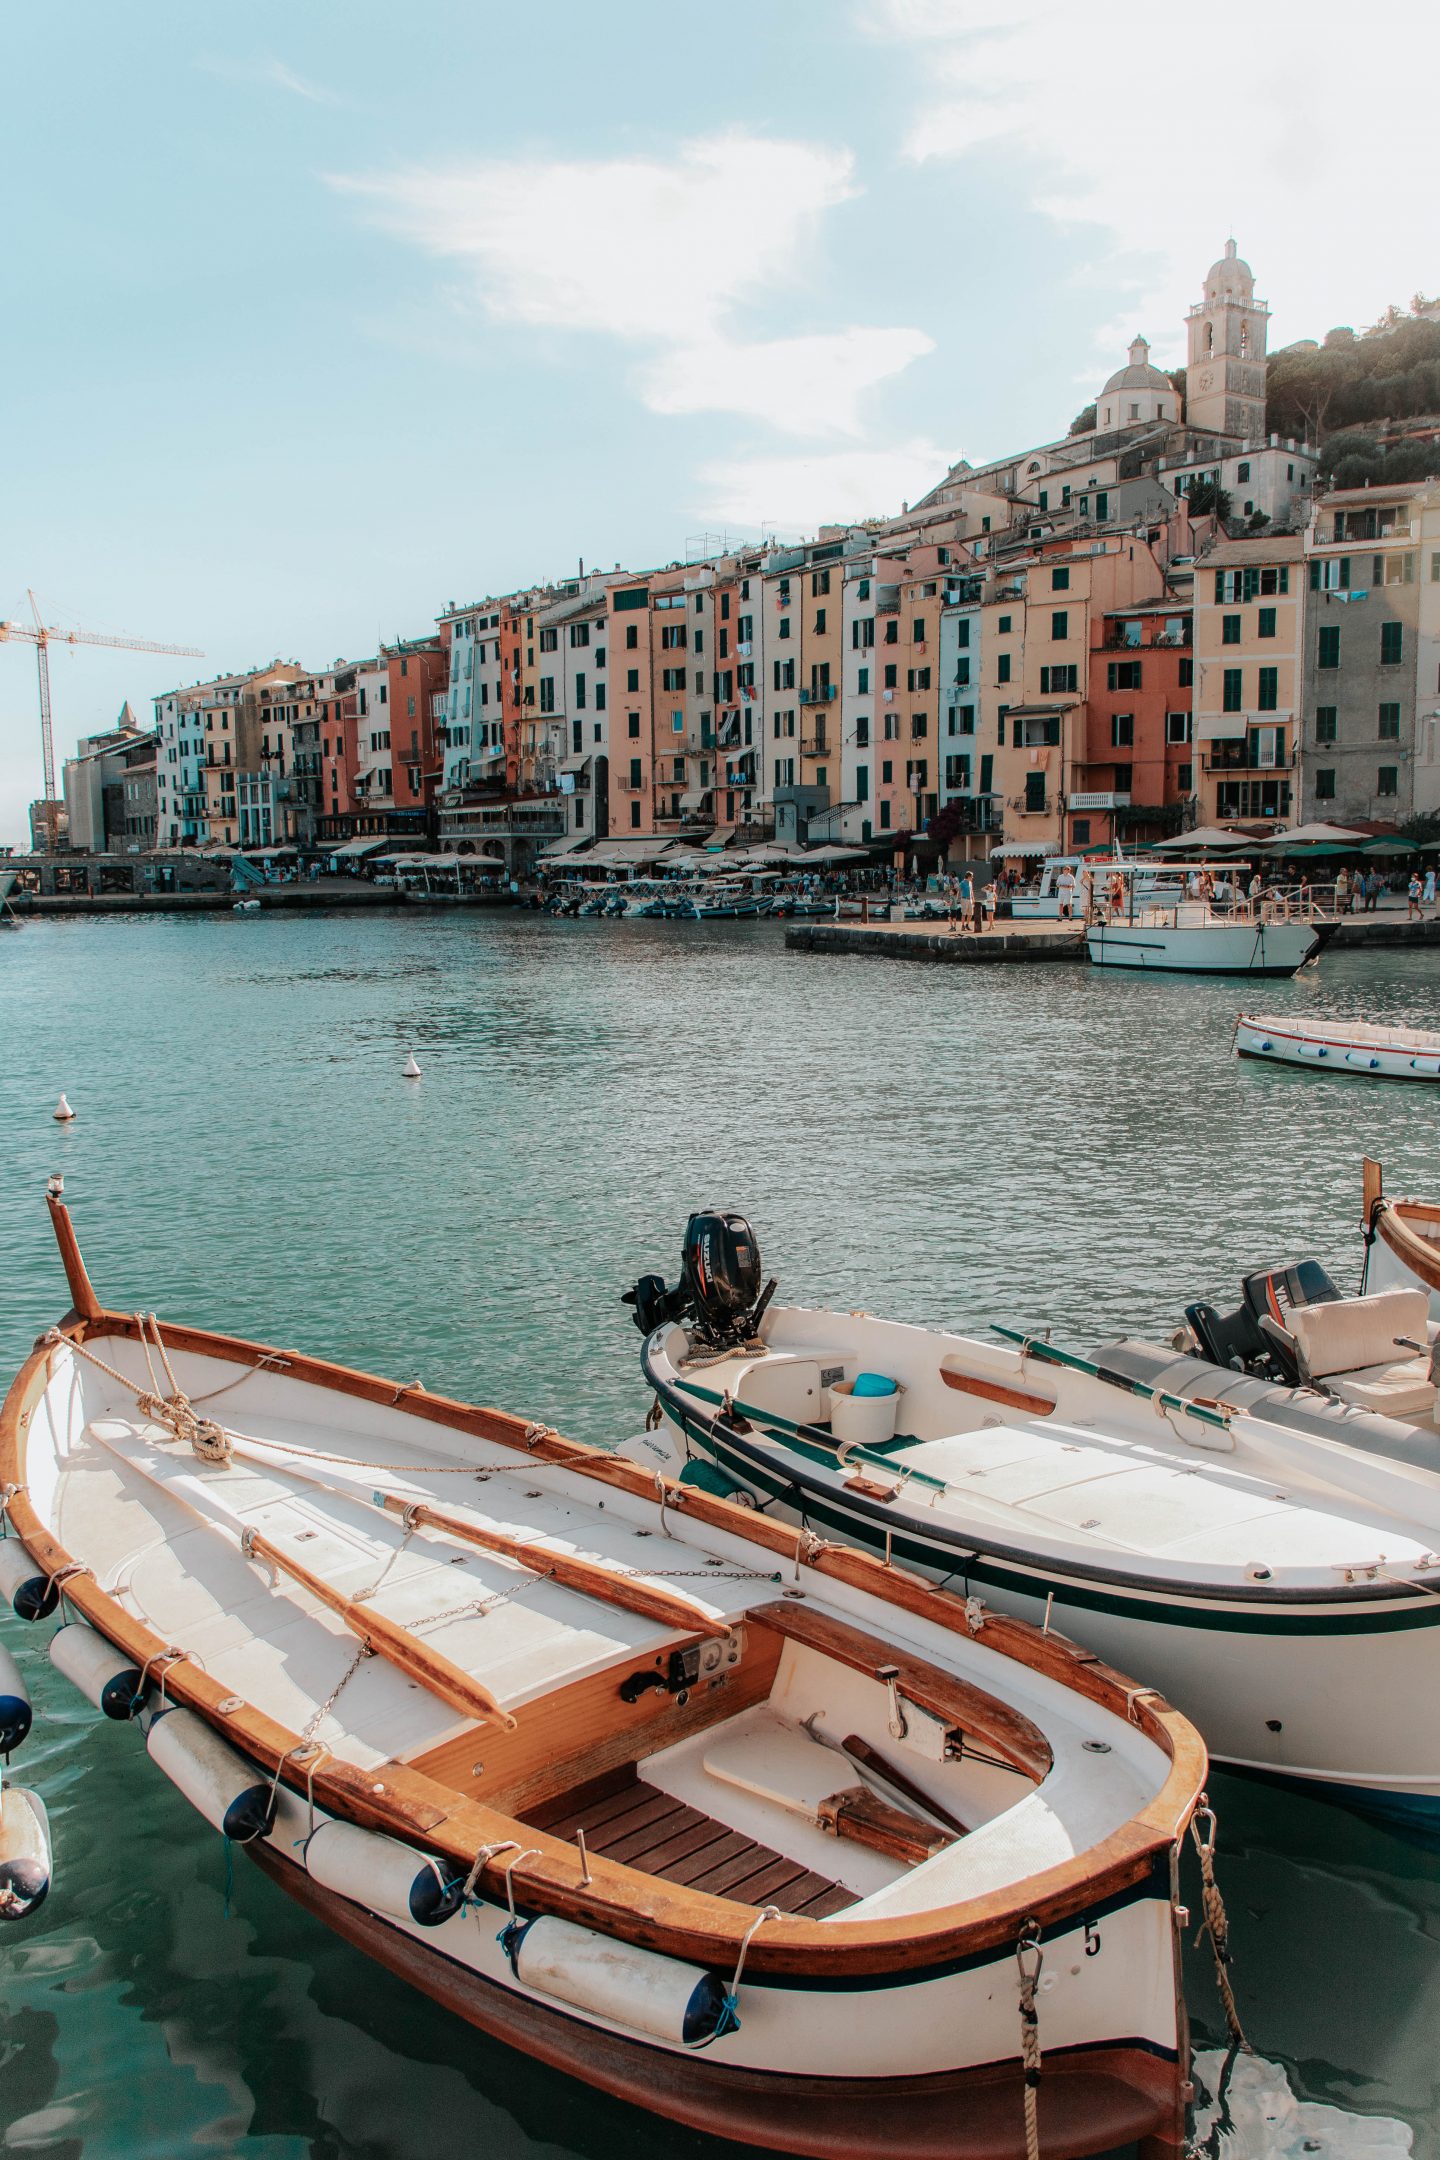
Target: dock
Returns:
[1046, 940]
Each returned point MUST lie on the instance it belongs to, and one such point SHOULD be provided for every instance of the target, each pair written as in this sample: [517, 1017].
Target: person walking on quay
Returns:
[1087, 894]
[950, 902]
[1430, 887]
[1413, 912]
[989, 899]
[1065, 890]
[1115, 895]
[967, 899]
[1342, 891]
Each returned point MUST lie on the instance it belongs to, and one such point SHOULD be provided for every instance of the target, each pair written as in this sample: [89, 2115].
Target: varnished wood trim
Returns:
[591, 1577]
[1420, 1254]
[994, 1391]
[82, 1294]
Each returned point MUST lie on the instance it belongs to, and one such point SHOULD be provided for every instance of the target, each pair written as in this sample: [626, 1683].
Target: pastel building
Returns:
[1249, 677]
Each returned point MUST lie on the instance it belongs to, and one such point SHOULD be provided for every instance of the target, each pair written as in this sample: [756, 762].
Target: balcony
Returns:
[1028, 806]
[815, 746]
[821, 695]
[439, 705]
[1236, 758]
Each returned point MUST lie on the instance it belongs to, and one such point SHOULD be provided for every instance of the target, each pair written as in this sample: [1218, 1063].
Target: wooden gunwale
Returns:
[1418, 1253]
[620, 1901]
[995, 1391]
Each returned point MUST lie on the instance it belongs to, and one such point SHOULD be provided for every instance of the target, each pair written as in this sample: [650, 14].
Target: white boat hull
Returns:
[1326, 1047]
[1169, 946]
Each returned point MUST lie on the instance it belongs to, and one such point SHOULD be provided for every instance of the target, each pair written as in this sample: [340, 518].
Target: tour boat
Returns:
[1269, 1554]
[762, 1834]
[1343, 1046]
[1192, 938]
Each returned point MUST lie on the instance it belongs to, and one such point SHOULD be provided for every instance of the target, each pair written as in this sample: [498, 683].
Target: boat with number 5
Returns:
[760, 1833]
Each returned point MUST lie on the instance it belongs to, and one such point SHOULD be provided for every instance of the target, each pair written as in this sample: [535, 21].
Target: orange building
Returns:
[1135, 760]
[418, 671]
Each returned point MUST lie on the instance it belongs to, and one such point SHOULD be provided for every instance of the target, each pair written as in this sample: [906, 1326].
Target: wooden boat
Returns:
[1270, 1553]
[1402, 1240]
[752, 1830]
[1340, 1046]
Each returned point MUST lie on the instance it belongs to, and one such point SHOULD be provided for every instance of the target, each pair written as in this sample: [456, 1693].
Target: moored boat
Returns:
[1402, 1240]
[1269, 1552]
[760, 1833]
[1340, 1046]
[1191, 938]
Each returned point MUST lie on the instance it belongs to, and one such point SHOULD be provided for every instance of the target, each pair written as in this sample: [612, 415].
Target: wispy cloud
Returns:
[663, 254]
[270, 73]
[803, 491]
[1102, 123]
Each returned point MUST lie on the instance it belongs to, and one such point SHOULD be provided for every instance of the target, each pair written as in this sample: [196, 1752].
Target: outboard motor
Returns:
[719, 1287]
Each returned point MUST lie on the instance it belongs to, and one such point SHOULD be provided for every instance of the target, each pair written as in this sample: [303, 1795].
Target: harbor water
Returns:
[1043, 1146]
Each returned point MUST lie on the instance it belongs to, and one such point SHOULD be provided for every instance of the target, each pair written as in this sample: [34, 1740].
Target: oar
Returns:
[396, 1644]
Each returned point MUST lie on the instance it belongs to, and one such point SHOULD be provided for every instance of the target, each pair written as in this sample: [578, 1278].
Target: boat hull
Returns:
[1092, 2098]
[1261, 1679]
[1267, 949]
[1332, 1052]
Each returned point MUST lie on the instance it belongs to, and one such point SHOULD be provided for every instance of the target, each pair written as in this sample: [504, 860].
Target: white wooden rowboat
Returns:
[752, 1830]
[1340, 1046]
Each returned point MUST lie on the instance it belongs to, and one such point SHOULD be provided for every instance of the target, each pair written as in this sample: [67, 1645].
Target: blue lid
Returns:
[873, 1383]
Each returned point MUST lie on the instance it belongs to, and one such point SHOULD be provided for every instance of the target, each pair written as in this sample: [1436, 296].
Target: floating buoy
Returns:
[15, 1713]
[24, 1852]
[410, 1070]
[382, 1873]
[229, 1791]
[104, 1676]
[62, 1113]
[32, 1594]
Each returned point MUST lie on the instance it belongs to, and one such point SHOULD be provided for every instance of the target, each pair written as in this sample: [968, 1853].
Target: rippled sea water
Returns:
[951, 1145]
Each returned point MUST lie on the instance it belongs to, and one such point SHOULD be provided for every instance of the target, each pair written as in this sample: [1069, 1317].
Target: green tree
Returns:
[1084, 421]
[1206, 499]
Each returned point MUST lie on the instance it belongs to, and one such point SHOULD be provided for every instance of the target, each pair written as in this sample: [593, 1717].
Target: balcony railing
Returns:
[1218, 761]
[1029, 807]
[819, 694]
[814, 746]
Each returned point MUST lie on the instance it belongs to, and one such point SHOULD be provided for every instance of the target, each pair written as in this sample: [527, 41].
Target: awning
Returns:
[576, 765]
[1024, 847]
[1221, 727]
[352, 850]
[695, 798]
[571, 846]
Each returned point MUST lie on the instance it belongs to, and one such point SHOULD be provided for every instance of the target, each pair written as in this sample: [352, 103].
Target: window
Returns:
[632, 637]
[819, 620]
[1390, 723]
[1122, 730]
[1325, 783]
[549, 639]
[887, 771]
[1242, 472]
[1102, 506]
[1002, 668]
[632, 721]
[862, 732]
[917, 630]
[919, 726]
[1267, 746]
[632, 679]
[1185, 778]
[1387, 780]
[1187, 673]
[1269, 697]
[784, 626]
[1123, 674]
[1324, 723]
[1393, 570]
[547, 693]
[1055, 679]
[634, 772]
[1230, 629]
[1004, 626]
[672, 636]
[1329, 654]
[1232, 699]
[1124, 775]
[892, 632]
[1059, 581]
[1392, 643]
[1059, 626]
[819, 582]
[885, 815]
[862, 632]
[862, 681]
[1266, 627]
[672, 678]
[957, 773]
[1034, 791]
[1080, 831]
[677, 722]
[862, 783]
[1177, 727]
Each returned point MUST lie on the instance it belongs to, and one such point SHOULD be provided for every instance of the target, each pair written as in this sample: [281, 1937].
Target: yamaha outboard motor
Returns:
[719, 1287]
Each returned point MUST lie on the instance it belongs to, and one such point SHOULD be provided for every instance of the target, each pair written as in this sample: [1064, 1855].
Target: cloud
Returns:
[659, 254]
[272, 73]
[804, 491]
[1098, 117]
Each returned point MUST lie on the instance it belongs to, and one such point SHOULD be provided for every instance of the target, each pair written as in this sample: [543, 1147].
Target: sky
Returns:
[320, 317]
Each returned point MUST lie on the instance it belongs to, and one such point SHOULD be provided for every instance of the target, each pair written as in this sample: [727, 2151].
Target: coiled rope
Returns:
[209, 1441]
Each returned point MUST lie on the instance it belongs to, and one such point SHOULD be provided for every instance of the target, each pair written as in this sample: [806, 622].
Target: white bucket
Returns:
[862, 1420]
[618, 1982]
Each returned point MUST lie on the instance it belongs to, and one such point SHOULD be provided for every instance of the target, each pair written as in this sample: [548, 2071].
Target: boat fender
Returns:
[382, 1874]
[215, 1779]
[15, 1711]
[619, 1982]
[25, 1866]
[33, 1596]
[102, 1673]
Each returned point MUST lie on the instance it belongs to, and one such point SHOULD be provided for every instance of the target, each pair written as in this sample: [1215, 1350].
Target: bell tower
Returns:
[1225, 371]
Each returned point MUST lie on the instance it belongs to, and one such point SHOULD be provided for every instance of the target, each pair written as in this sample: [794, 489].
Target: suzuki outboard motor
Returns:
[719, 1287]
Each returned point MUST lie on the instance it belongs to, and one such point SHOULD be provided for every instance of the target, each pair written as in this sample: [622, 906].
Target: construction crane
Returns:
[42, 636]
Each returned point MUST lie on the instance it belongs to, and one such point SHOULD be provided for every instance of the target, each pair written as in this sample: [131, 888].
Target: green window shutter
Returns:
[1233, 700]
[1315, 585]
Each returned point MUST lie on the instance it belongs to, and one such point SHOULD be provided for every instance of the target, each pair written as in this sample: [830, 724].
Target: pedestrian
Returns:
[1342, 891]
[967, 900]
[1374, 886]
[1065, 890]
[1115, 895]
[1430, 887]
[1415, 889]
[1087, 893]
[989, 900]
[1256, 889]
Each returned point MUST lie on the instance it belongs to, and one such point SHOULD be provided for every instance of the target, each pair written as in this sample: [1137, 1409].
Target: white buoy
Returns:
[410, 1070]
[62, 1112]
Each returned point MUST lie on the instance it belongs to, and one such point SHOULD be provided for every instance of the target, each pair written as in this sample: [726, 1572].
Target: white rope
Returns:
[1030, 1960]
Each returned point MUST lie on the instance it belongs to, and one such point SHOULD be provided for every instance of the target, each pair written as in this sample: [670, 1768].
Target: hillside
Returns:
[1350, 394]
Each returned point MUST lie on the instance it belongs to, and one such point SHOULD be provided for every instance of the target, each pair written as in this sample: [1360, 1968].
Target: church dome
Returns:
[1139, 375]
[1231, 278]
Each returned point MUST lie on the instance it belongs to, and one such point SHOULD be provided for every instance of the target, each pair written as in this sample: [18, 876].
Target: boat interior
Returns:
[1067, 1453]
[567, 1654]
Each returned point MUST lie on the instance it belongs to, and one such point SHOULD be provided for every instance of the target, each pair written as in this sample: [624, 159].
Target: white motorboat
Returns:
[769, 1838]
[1151, 885]
[1340, 1046]
[1193, 938]
[1270, 1553]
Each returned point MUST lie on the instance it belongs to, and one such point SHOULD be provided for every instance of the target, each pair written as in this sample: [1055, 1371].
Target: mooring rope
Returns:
[1030, 1960]
[209, 1441]
[1215, 1923]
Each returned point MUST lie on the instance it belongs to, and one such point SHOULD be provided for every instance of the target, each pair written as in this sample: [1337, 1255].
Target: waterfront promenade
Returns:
[1019, 941]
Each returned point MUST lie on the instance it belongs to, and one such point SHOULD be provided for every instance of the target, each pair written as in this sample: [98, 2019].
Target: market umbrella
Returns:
[1391, 844]
[1204, 836]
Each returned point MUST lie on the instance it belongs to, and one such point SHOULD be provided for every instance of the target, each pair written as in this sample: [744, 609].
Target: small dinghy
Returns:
[1269, 1550]
[1340, 1046]
[755, 1831]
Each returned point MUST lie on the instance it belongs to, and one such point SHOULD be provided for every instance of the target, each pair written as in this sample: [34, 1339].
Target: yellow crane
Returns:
[42, 636]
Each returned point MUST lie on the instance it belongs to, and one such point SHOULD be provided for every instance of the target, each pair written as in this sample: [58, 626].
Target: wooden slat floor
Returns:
[645, 1828]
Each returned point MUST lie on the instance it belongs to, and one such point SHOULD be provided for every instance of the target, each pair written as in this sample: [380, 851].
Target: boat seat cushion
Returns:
[1349, 1335]
[1403, 1390]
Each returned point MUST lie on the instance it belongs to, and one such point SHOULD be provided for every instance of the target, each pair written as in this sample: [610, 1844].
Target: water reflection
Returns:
[953, 1146]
